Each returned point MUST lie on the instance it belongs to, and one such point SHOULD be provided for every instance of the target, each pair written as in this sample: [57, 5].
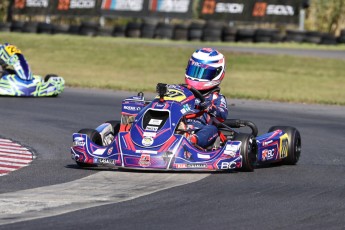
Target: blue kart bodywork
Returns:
[154, 136]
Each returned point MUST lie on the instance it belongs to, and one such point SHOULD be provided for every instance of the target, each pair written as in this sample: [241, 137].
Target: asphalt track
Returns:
[54, 193]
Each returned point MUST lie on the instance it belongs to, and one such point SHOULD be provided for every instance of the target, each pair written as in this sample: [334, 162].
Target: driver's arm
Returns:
[219, 107]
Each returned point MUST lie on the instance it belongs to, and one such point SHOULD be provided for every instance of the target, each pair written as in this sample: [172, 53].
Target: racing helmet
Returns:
[205, 69]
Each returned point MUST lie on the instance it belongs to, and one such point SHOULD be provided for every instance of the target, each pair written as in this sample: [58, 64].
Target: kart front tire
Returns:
[294, 144]
[96, 138]
[248, 151]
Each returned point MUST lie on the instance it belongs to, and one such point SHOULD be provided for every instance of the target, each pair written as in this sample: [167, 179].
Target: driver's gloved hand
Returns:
[205, 105]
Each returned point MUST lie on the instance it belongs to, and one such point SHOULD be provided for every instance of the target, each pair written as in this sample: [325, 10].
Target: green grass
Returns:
[136, 64]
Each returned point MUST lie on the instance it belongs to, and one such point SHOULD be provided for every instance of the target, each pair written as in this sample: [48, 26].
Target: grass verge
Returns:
[130, 64]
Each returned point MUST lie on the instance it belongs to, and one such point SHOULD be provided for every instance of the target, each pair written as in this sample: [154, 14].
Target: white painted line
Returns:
[5, 140]
[14, 160]
[15, 151]
[9, 144]
[7, 169]
[16, 155]
[13, 164]
[11, 147]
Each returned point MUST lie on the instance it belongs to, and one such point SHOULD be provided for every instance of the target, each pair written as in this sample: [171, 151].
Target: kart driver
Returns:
[205, 71]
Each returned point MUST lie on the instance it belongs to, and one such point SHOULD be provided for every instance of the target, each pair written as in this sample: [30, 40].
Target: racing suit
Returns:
[205, 132]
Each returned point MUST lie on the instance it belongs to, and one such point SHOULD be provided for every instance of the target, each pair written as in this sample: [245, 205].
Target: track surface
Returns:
[307, 196]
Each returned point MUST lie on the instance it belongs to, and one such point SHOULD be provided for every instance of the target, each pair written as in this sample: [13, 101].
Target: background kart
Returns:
[17, 79]
[154, 135]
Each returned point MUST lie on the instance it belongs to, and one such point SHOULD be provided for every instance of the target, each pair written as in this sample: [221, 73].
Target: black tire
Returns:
[195, 31]
[164, 31]
[88, 29]
[30, 27]
[294, 144]
[229, 34]
[5, 26]
[105, 31]
[133, 30]
[328, 39]
[248, 151]
[119, 31]
[313, 37]
[245, 35]
[295, 36]
[96, 138]
[46, 78]
[17, 26]
[73, 29]
[45, 28]
[148, 30]
[60, 29]
[180, 32]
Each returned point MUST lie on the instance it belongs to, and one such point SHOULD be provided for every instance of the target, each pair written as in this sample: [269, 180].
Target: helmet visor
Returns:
[204, 72]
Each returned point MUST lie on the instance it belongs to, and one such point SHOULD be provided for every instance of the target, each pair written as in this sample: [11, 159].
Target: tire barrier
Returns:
[133, 30]
[211, 31]
[164, 31]
[195, 31]
[30, 27]
[180, 32]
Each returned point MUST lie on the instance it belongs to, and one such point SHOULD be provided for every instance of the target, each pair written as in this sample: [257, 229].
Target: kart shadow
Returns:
[134, 171]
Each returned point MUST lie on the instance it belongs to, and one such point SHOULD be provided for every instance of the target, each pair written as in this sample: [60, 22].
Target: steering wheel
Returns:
[196, 92]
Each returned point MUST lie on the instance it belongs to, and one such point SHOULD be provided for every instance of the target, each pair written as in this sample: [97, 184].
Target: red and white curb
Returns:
[13, 156]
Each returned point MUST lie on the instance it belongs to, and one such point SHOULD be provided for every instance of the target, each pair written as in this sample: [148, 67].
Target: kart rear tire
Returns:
[96, 138]
[294, 144]
[248, 151]
[46, 78]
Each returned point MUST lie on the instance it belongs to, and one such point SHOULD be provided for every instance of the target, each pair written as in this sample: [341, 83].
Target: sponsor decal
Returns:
[230, 8]
[131, 108]
[171, 6]
[79, 141]
[105, 161]
[155, 122]
[110, 150]
[211, 7]
[262, 9]
[146, 151]
[19, 4]
[181, 166]
[185, 109]
[147, 141]
[267, 154]
[203, 156]
[197, 165]
[149, 134]
[145, 160]
[265, 143]
[151, 128]
[228, 165]
[230, 153]
[123, 5]
[37, 3]
[187, 154]
[76, 4]
[284, 144]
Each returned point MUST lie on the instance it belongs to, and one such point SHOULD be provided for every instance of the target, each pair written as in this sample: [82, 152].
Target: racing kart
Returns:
[153, 135]
[16, 78]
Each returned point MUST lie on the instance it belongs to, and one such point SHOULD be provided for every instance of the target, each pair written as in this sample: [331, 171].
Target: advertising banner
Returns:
[75, 7]
[31, 7]
[277, 11]
[170, 8]
[133, 8]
